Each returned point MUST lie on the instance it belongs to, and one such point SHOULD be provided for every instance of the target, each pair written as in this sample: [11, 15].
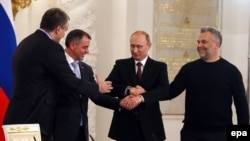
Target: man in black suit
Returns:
[40, 71]
[71, 116]
[144, 123]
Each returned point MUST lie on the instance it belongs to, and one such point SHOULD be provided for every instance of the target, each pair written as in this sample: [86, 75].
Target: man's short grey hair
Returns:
[214, 31]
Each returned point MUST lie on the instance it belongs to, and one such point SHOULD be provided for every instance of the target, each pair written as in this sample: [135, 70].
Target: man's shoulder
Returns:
[124, 60]
[156, 62]
[83, 64]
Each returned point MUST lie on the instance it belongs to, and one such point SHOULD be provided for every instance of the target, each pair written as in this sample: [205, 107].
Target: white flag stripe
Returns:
[7, 7]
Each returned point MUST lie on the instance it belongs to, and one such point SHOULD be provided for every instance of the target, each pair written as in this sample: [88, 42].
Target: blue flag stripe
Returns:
[7, 47]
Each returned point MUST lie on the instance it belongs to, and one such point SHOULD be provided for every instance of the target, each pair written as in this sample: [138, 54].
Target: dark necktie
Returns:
[138, 74]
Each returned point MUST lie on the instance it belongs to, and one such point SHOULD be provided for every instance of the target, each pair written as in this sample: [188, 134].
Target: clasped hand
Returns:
[129, 102]
[133, 99]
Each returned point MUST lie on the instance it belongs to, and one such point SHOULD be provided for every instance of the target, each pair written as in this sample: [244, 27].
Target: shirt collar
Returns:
[45, 32]
[69, 60]
[142, 61]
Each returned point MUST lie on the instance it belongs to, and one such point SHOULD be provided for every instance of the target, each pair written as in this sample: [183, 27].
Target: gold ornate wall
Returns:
[176, 27]
[17, 4]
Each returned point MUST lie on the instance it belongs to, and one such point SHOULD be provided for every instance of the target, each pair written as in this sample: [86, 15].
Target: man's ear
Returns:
[72, 45]
[218, 44]
[57, 30]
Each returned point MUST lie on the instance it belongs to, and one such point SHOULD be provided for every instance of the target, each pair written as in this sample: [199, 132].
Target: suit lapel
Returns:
[132, 73]
[86, 73]
[81, 70]
[146, 70]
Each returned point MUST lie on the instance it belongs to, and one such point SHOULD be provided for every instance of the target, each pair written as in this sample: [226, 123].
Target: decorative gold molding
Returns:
[176, 27]
[19, 3]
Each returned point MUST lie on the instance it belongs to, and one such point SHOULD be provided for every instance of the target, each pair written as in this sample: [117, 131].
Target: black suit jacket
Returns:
[154, 80]
[40, 70]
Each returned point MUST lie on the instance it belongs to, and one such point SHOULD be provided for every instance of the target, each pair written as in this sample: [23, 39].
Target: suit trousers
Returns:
[135, 132]
[200, 135]
[81, 135]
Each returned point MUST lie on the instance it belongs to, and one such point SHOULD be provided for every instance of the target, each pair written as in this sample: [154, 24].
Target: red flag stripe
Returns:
[4, 104]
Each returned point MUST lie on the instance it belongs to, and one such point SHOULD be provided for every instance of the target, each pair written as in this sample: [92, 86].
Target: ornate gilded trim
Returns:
[19, 3]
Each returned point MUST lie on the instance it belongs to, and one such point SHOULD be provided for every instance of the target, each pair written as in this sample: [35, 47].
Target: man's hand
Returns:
[137, 90]
[130, 102]
[104, 86]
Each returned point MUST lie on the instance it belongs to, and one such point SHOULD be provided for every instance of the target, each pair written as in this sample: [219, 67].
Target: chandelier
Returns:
[16, 4]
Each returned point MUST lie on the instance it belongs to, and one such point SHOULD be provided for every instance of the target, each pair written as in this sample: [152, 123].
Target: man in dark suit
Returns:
[40, 71]
[71, 116]
[144, 123]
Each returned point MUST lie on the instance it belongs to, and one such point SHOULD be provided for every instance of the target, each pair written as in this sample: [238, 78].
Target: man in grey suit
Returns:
[40, 71]
[146, 85]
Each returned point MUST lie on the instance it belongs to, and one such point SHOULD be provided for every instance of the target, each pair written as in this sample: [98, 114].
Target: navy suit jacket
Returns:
[154, 80]
[40, 70]
[71, 108]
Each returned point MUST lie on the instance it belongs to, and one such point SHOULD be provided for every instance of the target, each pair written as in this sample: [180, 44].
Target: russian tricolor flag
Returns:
[7, 47]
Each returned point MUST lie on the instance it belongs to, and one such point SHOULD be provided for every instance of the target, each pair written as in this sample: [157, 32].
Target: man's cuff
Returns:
[142, 98]
[127, 90]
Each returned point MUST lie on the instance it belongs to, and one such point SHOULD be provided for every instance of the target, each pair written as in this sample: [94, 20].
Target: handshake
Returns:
[131, 101]
[134, 98]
